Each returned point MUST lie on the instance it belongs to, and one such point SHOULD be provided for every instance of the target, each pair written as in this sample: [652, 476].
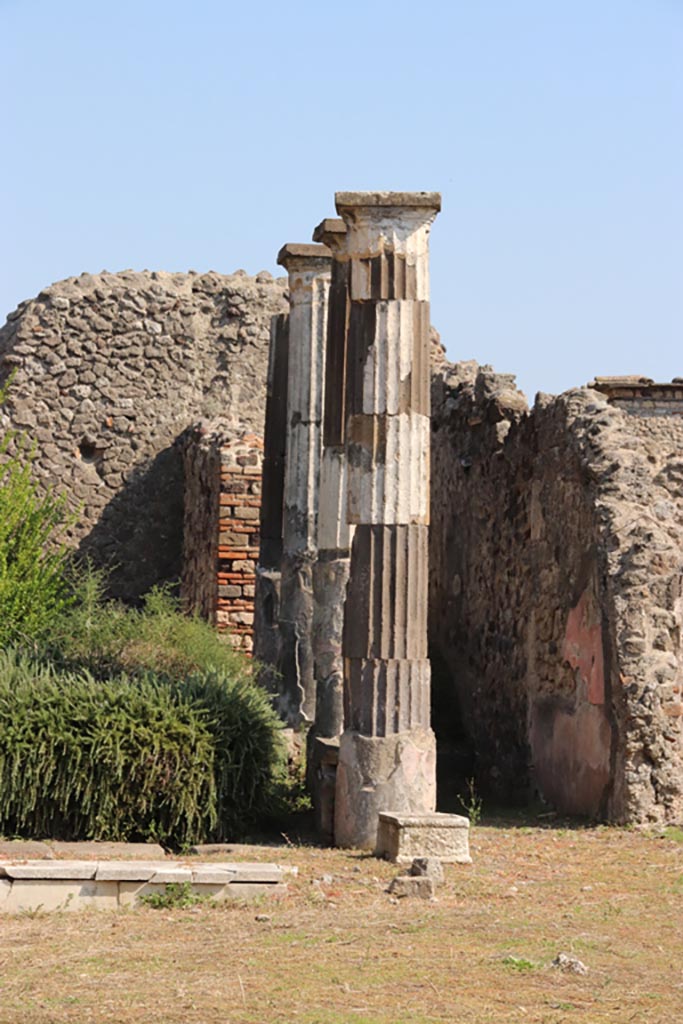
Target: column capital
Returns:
[387, 243]
[395, 201]
[298, 256]
[331, 232]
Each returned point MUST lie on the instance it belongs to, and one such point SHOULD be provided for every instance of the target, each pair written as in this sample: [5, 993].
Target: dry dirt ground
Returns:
[335, 947]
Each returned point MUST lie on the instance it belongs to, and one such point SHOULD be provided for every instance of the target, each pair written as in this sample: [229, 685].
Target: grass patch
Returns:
[519, 963]
[176, 896]
[355, 956]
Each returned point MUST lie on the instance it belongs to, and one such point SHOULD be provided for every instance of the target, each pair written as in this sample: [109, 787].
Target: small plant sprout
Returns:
[471, 803]
[176, 896]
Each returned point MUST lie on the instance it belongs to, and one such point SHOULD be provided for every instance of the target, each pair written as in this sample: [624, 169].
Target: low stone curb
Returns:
[46, 885]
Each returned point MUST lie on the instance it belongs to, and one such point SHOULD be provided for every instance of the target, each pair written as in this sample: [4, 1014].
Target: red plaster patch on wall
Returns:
[583, 646]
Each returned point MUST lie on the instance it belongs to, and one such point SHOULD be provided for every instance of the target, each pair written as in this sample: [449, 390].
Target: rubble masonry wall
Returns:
[556, 555]
[110, 370]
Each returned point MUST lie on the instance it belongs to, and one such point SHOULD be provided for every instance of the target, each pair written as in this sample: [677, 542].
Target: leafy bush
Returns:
[107, 636]
[140, 757]
[249, 755]
[32, 585]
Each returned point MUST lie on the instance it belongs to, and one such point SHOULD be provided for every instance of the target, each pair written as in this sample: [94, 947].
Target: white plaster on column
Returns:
[393, 488]
[333, 527]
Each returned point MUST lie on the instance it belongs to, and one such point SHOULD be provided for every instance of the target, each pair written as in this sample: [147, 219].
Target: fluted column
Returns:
[331, 570]
[308, 267]
[267, 597]
[387, 756]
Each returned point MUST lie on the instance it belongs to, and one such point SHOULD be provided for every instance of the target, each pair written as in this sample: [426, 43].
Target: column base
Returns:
[381, 773]
[321, 773]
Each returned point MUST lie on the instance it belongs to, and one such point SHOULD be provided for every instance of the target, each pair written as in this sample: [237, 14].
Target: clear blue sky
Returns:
[203, 135]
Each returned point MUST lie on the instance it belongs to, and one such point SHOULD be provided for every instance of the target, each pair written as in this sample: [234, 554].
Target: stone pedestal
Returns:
[387, 755]
[308, 267]
[404, 837]
[377, 772]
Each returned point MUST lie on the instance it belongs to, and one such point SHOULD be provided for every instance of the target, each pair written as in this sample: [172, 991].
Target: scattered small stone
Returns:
[428, 867]
[411, 885]
[569, 963]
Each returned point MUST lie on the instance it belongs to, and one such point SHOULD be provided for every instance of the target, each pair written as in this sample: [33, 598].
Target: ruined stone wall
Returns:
[221, 539]
[633, 456]
[556, 540]
[556, 555]
[110, 369]
[475, 586]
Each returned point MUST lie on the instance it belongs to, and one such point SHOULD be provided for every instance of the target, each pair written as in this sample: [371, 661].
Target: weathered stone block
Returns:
[429, 867]
[51, 869]
[403, 837]
[206, 874]
[50, 894]
[409, 885]
[136, 871]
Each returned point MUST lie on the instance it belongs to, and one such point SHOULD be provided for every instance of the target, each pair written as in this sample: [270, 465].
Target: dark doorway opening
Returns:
[455, 756]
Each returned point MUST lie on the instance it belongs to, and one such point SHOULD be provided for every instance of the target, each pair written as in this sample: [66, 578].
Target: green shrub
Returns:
[127, 758]
[249, 754]
[107, 636]
[32, 584]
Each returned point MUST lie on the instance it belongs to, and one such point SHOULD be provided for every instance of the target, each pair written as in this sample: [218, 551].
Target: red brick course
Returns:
[222, 521]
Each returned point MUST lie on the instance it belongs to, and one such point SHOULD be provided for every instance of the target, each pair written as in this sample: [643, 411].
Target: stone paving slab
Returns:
[135, 871]
[210, 875]
[257, 872]
[171, 876]
[50, 869]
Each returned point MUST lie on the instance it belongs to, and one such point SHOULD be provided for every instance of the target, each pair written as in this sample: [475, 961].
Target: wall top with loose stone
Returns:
[641, 395]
